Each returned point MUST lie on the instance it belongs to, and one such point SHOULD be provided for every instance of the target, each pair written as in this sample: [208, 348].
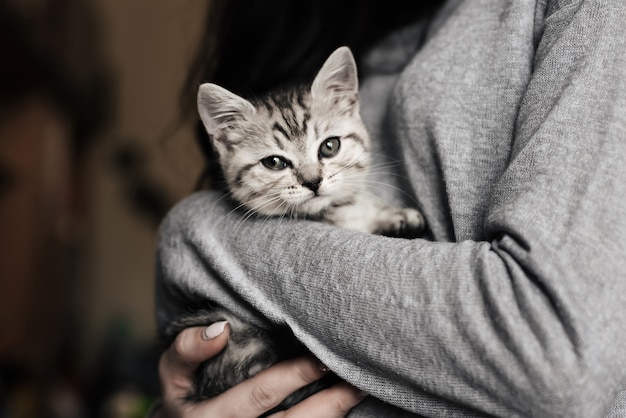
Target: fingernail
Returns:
[363, 394]
[323, 368]
[213, 330]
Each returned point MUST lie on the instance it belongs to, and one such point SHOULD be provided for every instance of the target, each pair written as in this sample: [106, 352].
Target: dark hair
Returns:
[253, 46]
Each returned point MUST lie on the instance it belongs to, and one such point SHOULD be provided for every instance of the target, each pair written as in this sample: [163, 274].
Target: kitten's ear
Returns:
[220, 109]
[338, 75]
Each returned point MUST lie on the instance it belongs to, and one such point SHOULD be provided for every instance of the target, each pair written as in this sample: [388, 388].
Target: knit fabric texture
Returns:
[505, 122]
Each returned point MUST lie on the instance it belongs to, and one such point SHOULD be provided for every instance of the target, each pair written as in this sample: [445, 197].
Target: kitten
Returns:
[300, 153]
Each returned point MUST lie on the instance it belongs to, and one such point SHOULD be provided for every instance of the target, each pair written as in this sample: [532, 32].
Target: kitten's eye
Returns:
[274, 163]
[330, 147]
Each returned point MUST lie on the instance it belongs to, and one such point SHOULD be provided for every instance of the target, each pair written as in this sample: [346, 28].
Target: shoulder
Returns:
[567, 10]
[193, 213]
[580, 25]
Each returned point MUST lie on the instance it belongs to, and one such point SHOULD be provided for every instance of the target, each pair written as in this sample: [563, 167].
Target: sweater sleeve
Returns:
[527, 322]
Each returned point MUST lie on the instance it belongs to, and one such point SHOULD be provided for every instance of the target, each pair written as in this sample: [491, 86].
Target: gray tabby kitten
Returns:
[301, 153]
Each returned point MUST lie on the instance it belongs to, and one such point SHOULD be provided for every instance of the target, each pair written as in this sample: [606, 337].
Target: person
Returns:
[508, 124]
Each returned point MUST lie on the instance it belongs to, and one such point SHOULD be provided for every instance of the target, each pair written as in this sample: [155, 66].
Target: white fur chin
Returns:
[314, 205]
[309, 207]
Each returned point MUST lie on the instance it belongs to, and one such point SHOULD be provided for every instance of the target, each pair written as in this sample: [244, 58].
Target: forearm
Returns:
[423, 321]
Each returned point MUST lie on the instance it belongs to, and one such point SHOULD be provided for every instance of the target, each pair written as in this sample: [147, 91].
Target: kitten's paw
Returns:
[405, 223]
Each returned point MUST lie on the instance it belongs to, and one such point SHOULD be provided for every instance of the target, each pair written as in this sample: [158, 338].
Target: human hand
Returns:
[252, 397]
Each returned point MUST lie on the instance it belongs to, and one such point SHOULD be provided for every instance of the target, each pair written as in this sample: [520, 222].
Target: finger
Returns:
[334, 402]
[191, 347]
[267, 389]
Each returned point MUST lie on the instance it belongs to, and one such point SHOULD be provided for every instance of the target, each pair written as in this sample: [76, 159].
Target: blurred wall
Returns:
[150, 44]
[92, 155]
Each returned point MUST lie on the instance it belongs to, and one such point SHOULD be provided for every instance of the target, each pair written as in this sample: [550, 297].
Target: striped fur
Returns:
[291, 124]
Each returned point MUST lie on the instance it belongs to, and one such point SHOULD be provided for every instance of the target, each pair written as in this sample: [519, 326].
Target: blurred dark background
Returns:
[92, 153]
[99, 137]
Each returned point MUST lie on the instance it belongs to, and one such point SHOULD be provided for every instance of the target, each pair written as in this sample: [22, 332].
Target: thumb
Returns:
[191, 347]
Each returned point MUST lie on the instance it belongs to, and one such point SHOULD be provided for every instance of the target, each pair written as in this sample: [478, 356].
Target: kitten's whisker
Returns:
[366, 157]
[367, 178]
[283, 213]
[236, 208]
[269, 200]
[386, 154]
[377, 196]
[378, 166]
[388, 186]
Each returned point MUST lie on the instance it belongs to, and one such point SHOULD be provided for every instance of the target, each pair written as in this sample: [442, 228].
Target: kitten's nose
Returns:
[313, 184]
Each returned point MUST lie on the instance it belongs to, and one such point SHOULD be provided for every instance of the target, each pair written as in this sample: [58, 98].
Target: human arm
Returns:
[525, 320]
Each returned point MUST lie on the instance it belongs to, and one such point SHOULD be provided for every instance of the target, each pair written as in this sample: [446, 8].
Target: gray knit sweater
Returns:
[509, 126]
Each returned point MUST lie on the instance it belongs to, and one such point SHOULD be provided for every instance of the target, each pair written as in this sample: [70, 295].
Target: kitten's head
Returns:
[296, 152]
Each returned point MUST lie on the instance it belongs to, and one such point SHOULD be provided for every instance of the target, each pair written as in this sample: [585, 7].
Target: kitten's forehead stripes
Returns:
[277, 127]
[290, 112]
[279, 142]
[295, 125]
